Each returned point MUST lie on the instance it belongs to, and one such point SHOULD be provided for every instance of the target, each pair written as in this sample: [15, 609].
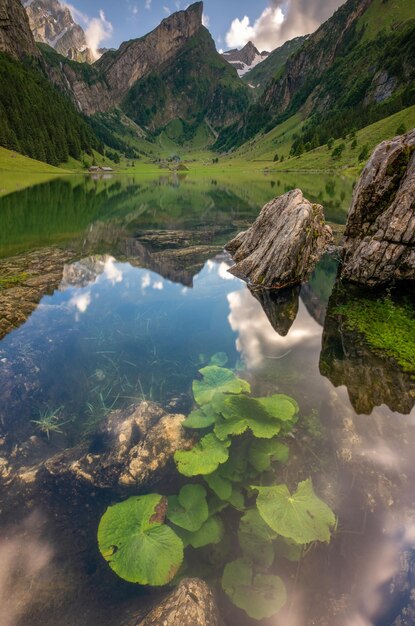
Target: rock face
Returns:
[52, 23]
[380, 233]
[283, 245]
[313, 58]
[138, 57]
[16, 37]
[191, 604]
[132, 449]
[245, 59]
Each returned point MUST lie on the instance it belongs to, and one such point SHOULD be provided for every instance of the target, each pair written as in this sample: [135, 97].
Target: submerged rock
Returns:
[283, 245]
[132, 449]
[191, 604]
[380, 233]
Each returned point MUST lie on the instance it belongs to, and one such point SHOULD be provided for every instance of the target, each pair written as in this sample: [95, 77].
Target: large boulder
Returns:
[283, 245]
[132, 449]
[380, 233]
[191, 604]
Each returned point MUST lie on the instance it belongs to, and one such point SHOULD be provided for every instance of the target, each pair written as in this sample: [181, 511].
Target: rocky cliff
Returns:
[52, 23]
[138, 57]
[102, 86]
[16, 38]
[195, 84]
[246, 59]
[316, 55]
[380, 234]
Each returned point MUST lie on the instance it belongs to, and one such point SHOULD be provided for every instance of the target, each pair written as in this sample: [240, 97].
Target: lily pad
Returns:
[256, 538]
[264, 451]
[201, 418]
[220, 359]
[204, 458]
[241, 413]
[212, 531]
[302, 516]
[189, 509]
[137, 544]
[260, 596]
[280, 406]
[217, 379]
[220, 486]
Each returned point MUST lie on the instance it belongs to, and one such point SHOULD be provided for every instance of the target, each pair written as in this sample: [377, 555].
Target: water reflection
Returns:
[372, 379]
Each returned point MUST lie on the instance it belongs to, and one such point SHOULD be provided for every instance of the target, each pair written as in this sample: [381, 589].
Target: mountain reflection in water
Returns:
[139, 299]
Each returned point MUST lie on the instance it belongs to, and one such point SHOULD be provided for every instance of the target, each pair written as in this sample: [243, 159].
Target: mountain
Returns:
[358, 67]
[35, 118]
[261, 74]
[15, 35]
[172, 73]
[193, 87]
[246, 59]
[52, 23]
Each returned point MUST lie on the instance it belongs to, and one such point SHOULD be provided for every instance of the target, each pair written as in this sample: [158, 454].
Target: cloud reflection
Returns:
[23, 559]
[257, 340]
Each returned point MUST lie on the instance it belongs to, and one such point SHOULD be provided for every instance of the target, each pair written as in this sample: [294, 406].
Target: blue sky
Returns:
[232, 22]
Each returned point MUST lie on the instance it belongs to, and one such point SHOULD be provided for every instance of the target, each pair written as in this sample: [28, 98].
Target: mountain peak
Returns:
[245, 59]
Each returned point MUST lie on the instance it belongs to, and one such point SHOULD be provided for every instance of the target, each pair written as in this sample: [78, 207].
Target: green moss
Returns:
[388, 327]
[12, 281]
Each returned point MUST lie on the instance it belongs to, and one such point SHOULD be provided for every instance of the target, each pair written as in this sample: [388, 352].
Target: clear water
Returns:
[132, 319]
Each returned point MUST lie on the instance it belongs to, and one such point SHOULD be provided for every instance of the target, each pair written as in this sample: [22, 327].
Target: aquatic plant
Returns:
[235, 458]
[49, 421]
[388, 327]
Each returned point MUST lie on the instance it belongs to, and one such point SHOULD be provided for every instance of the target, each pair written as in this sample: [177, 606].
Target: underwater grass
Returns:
[13, 281]
[388, 327]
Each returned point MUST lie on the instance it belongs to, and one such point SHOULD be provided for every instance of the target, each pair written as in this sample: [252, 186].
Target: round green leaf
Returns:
[280, 407]
[220, 359]
[189, 509]
[241, 413]
[256, 538]
[302, 517]
[264, 451]
[212, 531]
[204, 458]
[137, 544]
[221, 486]
[217, 379]
[201, 418]
[260, 596]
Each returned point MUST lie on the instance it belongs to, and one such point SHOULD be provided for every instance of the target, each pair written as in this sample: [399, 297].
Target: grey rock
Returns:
[191, 604]
[380, 234]
[132, 449]
[284, 243]
[16, 37]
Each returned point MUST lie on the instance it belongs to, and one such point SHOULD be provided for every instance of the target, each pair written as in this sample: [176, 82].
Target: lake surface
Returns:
[138, 301]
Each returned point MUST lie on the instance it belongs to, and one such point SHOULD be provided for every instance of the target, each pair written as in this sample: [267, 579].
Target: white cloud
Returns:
[147, 4]
[81, 301]
[242, 31]
[166, 10]
[112, 273]
[145, 281]
[205, 20]
[99, 29]
[280, 21]
[158, 284]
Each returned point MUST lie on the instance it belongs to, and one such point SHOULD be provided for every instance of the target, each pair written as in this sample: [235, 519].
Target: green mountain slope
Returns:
[195, 85]
[36, 119]
[340, 79]
[268, 69]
